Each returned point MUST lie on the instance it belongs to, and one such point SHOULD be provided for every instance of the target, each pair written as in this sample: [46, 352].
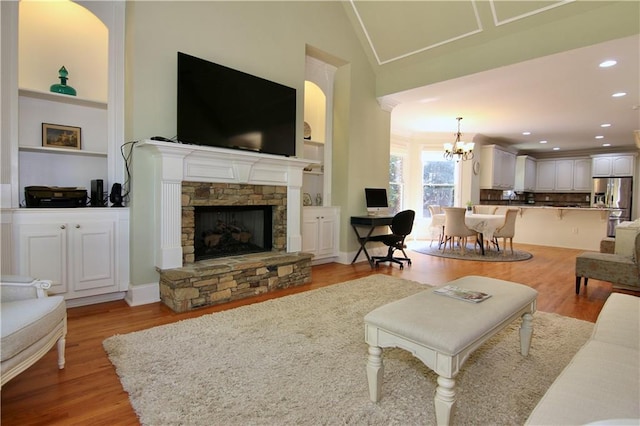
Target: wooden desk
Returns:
[370, 223]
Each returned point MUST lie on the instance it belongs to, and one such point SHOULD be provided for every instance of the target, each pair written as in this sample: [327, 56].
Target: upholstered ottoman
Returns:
[442, 331]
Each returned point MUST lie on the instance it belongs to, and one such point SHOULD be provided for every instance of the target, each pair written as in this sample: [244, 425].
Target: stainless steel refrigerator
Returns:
[616, 193]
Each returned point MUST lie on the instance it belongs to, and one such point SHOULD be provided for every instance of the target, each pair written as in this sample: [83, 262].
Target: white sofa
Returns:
[31, 324]
[602, 382]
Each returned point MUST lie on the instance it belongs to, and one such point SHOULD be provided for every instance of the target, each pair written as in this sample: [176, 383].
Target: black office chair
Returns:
[401, 226]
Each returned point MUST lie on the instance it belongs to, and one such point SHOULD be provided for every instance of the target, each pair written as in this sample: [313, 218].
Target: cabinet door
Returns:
[326, 230]
[564, 175]
[310, 227]
[622, 166]
[545, 175]
[530, 174]
[93, 255]
[601, 167]
[508, 170]
[42, 253]
[582, 175]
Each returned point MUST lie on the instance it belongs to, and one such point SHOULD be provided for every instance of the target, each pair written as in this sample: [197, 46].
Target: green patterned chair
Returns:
[621, 271]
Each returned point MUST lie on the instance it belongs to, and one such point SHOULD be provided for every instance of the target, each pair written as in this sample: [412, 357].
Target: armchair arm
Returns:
[13, 287]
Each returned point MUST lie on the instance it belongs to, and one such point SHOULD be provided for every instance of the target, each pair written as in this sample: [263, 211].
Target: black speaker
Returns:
[97, 193]
[116, 195]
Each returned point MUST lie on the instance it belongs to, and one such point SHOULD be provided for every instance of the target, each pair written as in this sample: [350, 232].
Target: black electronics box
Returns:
[97, 193]
[55, 196]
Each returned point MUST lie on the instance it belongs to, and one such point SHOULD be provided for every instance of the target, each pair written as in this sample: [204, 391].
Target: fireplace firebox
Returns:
[222, 231]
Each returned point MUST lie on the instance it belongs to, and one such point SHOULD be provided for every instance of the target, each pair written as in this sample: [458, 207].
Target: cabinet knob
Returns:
[77, 226]
[62, 227]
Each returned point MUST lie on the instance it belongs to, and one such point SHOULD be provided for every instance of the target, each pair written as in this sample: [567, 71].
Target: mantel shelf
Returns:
[56, 97]
[62, 151]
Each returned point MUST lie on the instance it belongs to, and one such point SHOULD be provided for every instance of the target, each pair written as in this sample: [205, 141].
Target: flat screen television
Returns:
[222, 107]
[376, 199]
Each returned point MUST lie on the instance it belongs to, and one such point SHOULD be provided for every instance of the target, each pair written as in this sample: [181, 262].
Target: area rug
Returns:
[471, 254]
[300, 360]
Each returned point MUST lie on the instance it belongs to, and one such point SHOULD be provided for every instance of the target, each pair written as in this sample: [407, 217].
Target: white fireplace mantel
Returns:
[174, 163]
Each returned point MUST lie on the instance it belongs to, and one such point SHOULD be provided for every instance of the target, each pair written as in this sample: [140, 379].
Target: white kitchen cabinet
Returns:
[320, 230]
[525, 173]
[582, 180]
[614, 165]
[84, 252]
[564, 175]
[545, 175]
[498, 168]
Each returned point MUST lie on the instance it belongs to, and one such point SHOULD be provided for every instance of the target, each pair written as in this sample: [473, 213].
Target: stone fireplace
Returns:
[189, 177]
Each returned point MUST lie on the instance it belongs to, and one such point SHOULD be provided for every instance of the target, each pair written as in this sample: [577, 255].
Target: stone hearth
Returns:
[215, 281]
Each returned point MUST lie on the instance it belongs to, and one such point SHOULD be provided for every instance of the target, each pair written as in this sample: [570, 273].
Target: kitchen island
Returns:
[569, 227]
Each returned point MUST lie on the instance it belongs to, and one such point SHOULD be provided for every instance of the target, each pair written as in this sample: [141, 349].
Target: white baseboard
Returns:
[92, 300]
[143, 294]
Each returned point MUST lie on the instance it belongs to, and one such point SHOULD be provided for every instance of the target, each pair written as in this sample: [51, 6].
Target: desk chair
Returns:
[401, 226]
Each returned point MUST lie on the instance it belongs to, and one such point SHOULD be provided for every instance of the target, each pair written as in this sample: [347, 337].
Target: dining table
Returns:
[484, 224]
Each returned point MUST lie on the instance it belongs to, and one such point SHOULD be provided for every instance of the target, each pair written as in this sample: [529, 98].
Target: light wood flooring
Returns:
[88, 391]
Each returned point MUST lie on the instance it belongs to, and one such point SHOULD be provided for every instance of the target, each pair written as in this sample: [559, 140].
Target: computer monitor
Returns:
[376, 200]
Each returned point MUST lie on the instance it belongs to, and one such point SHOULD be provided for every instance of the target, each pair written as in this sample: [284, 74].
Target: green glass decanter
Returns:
[62, 87]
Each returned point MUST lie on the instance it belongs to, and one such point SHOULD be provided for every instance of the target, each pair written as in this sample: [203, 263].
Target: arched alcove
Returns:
[56, 33]
[315, 111]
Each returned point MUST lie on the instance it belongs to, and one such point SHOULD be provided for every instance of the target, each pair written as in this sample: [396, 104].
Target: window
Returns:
[438, 181]
[396, 183]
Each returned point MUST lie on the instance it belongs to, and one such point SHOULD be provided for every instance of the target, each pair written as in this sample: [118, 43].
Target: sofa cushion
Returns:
[619, 321]
[24, 322]
[600, 382]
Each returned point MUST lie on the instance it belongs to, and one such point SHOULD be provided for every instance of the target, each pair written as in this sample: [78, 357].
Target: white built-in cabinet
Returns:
[563, 175]
[320, 224]
[497, 168]
[320, 232]
[614, 165]
[525, 173]
[84, 252]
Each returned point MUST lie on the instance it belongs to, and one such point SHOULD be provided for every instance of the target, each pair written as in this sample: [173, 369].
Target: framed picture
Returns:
[57, 136]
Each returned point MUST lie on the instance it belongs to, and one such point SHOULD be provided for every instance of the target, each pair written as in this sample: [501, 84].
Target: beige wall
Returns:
[267, 39]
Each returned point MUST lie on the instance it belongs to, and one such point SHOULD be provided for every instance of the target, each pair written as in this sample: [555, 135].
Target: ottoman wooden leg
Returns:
[375, 371]
[444, 399]
[578, 279]
[526, 331]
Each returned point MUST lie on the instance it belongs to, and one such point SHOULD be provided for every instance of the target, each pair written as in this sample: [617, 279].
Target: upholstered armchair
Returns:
[621, 271]
[32, 322]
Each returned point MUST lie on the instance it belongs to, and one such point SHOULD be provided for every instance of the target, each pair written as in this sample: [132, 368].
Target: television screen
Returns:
[222, 107]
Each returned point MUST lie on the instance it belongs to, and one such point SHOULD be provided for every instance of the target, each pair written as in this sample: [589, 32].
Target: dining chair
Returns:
[454, 227]
[506, 231]
[435, 230]
[484, 209]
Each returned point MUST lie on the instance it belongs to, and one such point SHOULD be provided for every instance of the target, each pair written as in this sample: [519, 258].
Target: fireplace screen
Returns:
[232, 230]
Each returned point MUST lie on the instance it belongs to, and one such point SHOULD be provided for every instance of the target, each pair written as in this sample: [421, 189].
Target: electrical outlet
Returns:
[574, 230]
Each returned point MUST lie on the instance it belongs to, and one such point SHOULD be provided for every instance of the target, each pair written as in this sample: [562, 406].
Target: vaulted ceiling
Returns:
[507, 67]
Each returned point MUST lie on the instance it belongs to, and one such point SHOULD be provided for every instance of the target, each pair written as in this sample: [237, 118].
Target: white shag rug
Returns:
[300, 360]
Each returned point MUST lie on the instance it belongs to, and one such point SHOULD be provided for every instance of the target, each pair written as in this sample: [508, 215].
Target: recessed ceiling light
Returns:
[526, 133]
[608, 63]
[599, 137]
[619, 94]
[605, 125]
[543, 141]
[556, 149]
[606, 144]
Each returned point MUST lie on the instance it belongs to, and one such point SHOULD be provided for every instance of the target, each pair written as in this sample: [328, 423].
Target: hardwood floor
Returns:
[88, 391]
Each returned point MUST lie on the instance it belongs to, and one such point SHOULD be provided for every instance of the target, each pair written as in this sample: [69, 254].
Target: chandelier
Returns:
[458, 150]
